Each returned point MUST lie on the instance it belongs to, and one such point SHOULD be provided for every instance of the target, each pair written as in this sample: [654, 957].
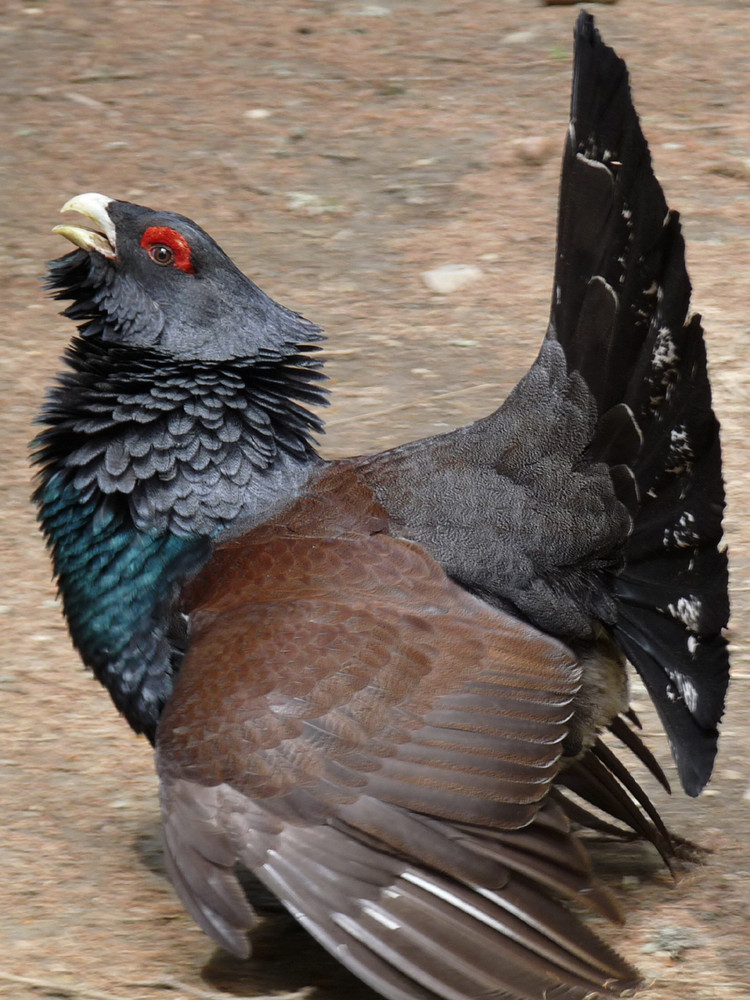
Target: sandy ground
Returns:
[337, 150]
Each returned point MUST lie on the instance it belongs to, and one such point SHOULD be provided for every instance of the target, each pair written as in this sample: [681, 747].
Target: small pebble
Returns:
[518, 38]
[534, 150]
[733, 167]
[372, 10]
[671, 941]
[451, 277]
[311, 203]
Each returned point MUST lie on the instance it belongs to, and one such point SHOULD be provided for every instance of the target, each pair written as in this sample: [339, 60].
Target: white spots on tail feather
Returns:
[683, 688]
[665, 353]
[681, 535]
[664, 362]
[688, 611]
[688, 692]
[692, 645]
[622, 260]
[679, 438]
[681, 454]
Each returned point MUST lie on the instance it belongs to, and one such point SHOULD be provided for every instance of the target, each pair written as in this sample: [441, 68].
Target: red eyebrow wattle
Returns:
[156, 235]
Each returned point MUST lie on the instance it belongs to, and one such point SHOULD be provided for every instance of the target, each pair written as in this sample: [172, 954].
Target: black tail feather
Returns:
[628, 782]
[672, 593]
[620, 311]
[599, 779]
[619, 728]
[592, 780]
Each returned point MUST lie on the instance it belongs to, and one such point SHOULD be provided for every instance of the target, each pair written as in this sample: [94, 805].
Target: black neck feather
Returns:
[143, 460]
[190, 445]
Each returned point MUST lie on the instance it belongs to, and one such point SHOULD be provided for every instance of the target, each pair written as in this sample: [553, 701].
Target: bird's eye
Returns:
[161, 254]
[168, 247]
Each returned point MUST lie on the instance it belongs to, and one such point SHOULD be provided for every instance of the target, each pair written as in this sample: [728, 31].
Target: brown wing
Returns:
[378, 746]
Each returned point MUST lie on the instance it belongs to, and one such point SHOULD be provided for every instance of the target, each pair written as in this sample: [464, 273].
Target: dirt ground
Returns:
[337, 150]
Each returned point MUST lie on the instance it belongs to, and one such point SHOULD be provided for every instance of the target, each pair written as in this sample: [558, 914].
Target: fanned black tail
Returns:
[620, 311]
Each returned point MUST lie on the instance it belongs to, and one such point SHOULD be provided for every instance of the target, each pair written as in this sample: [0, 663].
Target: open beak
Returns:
[94, 207]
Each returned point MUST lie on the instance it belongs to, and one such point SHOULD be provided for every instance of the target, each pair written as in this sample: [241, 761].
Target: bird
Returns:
[382, 684]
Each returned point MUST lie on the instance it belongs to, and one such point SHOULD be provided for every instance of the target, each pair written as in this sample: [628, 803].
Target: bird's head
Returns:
[153, 279]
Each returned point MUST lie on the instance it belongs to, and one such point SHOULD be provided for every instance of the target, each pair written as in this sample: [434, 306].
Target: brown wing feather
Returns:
[378, 746]
[412, 924]
[355, 661]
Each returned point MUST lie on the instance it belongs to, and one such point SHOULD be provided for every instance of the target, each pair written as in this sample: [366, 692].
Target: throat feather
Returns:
[192, 446]
[144, 460]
